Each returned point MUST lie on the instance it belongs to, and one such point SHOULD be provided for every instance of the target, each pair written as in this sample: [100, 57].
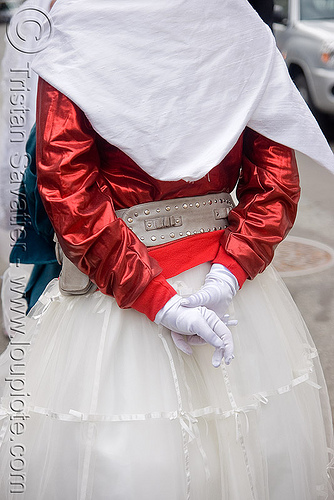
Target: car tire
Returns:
[324, 120]
[301, 84]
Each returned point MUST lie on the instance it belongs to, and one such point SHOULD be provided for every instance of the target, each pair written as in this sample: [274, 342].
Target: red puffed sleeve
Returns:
[268, 192]
[79, 203]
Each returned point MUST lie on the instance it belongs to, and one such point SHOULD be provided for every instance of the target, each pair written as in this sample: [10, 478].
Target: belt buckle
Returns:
[163, 222]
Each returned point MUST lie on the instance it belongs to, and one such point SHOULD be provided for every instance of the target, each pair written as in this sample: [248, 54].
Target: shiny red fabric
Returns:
[83, 179]
[268, 192]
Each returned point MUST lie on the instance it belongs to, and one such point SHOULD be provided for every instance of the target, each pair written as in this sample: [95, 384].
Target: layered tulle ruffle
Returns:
[115, 411]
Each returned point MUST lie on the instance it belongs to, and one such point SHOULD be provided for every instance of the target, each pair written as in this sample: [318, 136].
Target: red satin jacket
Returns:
[83, 179]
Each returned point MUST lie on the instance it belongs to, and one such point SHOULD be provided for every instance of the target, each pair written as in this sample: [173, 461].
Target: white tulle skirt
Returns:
[98, 404]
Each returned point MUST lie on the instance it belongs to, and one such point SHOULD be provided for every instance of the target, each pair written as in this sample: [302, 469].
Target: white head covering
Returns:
[173, 83]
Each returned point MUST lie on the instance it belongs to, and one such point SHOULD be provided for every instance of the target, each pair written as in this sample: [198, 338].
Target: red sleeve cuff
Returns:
[232, 265]
[154, 297]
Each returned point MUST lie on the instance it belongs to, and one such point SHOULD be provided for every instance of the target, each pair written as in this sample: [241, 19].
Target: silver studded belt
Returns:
[159, 222]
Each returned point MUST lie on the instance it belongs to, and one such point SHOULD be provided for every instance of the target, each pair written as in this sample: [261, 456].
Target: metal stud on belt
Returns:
[159, 222]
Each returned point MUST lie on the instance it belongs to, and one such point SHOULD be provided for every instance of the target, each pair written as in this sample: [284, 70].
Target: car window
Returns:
[316, 9]
[284, 7]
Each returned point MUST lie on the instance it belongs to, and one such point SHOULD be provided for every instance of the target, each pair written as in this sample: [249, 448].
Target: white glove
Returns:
[220, 286]
[197, 321]
[184, 342]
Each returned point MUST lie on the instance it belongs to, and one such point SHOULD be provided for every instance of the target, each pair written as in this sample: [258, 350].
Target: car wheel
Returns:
[301, 84]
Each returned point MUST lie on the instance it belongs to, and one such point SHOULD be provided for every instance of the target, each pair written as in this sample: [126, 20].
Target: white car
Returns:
[304, 31]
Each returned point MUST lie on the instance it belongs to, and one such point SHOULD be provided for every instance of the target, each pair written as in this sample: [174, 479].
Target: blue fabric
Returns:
[35, 244]
[41, 275]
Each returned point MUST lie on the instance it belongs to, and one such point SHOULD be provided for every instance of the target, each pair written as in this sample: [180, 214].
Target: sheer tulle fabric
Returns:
[117, 412]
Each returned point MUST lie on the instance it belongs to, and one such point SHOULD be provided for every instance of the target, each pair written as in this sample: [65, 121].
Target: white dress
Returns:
[100, 405]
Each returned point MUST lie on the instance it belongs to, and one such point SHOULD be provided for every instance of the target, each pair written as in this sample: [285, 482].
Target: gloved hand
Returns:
[220, 286]
[184, 342]
[200, 321]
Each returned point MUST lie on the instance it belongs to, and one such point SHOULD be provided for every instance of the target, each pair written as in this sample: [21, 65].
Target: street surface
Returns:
[312, 289]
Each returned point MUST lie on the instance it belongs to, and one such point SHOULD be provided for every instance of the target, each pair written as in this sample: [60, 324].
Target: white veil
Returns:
[173, 83]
